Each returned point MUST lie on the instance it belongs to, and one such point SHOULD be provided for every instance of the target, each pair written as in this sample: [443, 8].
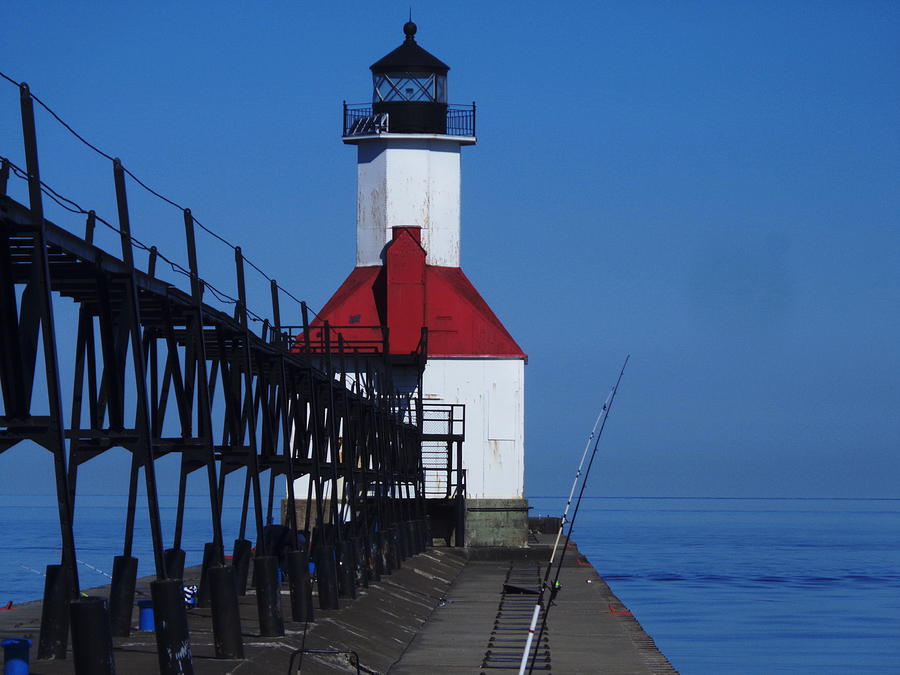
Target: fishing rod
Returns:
[554, 586]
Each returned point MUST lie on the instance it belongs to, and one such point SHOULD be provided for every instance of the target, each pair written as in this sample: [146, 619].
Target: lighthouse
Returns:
[408, 277]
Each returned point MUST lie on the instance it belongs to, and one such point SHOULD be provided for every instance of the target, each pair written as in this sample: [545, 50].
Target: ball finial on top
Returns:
[409, 29]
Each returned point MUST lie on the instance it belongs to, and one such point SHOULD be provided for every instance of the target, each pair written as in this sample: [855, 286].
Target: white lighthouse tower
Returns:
[408, 276]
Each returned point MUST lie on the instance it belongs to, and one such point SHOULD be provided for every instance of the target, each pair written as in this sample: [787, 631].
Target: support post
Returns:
[54, 635]
[92, 649]
[121, 594]
[226, 615]
[301, 588]
[268, 595]
[173, 643]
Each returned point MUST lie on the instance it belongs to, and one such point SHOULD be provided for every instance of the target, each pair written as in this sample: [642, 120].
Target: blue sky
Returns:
[711, 187]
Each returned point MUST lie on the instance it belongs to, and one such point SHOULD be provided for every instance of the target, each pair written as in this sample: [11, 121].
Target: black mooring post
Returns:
[361, 558]
[268, 595]
[175, 562]
[345, 569]
[54, 633]
[92, 649]
[226, 615]
[378, 555]
[301, 588]
[412, 534]
[402, 539]
[211, 556]
[387, 552]
[397, 546]
[170, 622]
[240, 560]
[121, 594]
[418, 536]
[326, 577]
[423, 534]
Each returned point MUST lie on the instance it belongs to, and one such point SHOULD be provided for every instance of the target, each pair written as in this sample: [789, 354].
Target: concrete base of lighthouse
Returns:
[489, 522]
[496, 522]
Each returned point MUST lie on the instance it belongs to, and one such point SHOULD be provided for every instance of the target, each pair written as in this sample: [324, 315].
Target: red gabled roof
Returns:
[460, 323]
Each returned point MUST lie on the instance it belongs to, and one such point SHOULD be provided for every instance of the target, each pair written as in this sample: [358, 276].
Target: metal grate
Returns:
[436, 463]
[507, 642]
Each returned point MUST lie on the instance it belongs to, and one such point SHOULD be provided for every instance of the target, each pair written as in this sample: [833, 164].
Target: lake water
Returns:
[722, 585]
[753, 585]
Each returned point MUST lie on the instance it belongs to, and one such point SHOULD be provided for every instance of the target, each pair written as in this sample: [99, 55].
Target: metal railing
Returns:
[360, 120]
[444, 421]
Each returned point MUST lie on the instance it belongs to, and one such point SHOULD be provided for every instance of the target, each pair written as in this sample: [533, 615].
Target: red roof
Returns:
[406, 294]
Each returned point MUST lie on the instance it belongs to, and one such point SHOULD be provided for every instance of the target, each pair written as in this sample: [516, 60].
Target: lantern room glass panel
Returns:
[410, 86]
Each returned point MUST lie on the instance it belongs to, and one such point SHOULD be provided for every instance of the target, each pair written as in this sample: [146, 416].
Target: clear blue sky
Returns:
[709, 186]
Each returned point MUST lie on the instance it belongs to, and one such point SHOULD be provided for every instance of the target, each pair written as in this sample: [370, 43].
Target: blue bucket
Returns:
[146, 615]
[15, 655]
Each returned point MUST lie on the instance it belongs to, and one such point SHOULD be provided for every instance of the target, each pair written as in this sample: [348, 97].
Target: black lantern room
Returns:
[410, 85]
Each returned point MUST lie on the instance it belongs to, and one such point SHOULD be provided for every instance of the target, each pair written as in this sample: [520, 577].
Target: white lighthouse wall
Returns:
[403, 181]
[493, 391]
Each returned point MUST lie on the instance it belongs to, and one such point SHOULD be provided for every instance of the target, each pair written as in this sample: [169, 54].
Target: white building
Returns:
[408, 275]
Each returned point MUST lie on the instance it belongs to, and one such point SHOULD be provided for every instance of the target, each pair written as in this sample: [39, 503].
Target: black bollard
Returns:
[174, 558]
[373, 554]
[412, 546]
[92, 650]
[301, 588]
[378, 556]
[268, 595]
[210, 557]
[226, 617]
[397, 546]
[54, 635]
[326, 577]
[121, 594]
[415, 537]
[422, 530]
[343, 553]
[423, 534]
[403, 539]
[240, 560]
[361, 551]
[173, 643]
[388, 553]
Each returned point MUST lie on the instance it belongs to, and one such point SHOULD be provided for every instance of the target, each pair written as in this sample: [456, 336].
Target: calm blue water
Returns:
[30, 536]
[750, 585]
[722, 585]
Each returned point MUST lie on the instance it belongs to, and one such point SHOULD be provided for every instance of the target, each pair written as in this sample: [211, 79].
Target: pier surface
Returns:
[444, 611]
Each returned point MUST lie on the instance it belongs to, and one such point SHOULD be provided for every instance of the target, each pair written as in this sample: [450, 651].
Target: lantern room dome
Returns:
[409, 56]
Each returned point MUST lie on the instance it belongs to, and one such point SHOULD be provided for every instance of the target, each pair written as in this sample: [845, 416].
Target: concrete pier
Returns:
[445, 611]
